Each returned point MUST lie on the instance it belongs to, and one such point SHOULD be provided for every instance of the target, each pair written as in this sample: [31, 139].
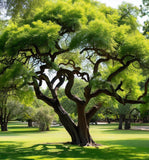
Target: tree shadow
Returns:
[117, 131]
[25, 130]
[13, 151]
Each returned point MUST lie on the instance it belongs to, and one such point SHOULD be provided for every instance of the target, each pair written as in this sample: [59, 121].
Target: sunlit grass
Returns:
[22, 143]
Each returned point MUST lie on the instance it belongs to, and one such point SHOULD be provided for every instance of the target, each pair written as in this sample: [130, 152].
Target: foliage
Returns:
[23, 8]
[44, 118]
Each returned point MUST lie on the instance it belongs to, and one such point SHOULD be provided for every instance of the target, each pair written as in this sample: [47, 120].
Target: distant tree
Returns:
[44, 117]
[26, 113]
[8, 110]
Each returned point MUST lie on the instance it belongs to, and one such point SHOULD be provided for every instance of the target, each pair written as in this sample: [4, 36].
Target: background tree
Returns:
[82, 40]
[26, 113]
[44, 118]
[12, 84]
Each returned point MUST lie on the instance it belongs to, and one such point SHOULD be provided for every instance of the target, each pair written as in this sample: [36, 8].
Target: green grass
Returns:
[22, 143]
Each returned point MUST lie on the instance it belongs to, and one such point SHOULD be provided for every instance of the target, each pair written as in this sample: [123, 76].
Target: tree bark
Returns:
[4, 126]
[83, 127]
[68, 123]
[79, 134]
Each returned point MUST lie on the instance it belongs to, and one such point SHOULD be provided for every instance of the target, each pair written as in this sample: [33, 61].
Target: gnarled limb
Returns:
[40, 95]
[61, 51]
[69, 85]
[97, 64]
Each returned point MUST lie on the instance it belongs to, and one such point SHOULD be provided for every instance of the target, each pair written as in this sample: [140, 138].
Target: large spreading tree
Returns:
[67, 40]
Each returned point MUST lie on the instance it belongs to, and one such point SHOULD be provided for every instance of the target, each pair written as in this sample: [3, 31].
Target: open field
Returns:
[22, 143]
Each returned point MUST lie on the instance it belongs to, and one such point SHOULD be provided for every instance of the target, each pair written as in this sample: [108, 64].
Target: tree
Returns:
[44, 118]
[12, 85]
[26, 113]
[66, 40]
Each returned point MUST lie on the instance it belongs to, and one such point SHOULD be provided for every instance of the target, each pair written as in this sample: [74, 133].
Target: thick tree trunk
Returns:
[68, 123]
[83, 128]
[79, 134]
[4, 126]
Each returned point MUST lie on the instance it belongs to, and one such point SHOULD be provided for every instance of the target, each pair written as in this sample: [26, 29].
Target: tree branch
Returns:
[112, 75]
[58, 53]
[92, 112]
[145, 89]
[97, 64]
[119, 87]
[69, 85]
[46, 79]
[40, 95]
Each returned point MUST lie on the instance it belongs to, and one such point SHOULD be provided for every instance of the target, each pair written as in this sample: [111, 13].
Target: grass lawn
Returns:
[22, 143]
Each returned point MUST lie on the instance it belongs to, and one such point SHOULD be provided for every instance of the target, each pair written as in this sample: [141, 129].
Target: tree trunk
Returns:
[121, 121]
[4, 126]
[108, 120]
[30, 123]
[83, 128]
[47, 129]
[79, 134]
[68, 123]
[127, 123]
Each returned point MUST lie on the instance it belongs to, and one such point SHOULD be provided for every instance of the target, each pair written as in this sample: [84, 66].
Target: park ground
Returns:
[22, 143]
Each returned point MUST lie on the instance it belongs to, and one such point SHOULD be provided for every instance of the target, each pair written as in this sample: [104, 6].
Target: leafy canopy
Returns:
[87, 30]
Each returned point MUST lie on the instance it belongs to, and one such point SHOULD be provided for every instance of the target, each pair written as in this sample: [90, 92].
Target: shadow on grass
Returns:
[131, 131]
[13, 151]
[15, 131]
